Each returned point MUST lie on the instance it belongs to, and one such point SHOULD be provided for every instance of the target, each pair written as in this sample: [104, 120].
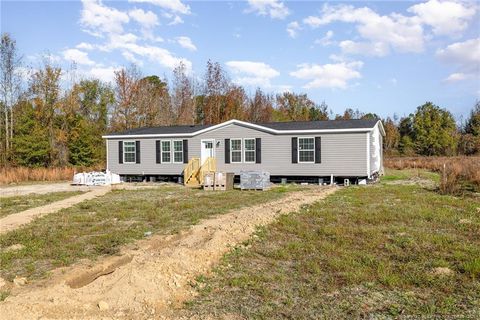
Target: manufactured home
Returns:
[331, 149]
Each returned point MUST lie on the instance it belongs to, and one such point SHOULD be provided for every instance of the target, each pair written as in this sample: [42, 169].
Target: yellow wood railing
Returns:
[194, 173]
[191, 170]
[210, 165]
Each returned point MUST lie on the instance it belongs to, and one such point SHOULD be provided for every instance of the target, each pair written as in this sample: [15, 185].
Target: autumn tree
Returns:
[88, 120]
[434, 131]
[183, 96]
[392, 136]
[46, 99]
[294, 107]
[10, 91]
[215, 89]
[260, 108]
[470, 140]
[319, 112]
[124, 111]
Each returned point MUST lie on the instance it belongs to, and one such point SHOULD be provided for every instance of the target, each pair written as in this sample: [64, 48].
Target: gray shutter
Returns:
[258, 150]
[227, 150]
[157, 152]
[295, 150]
[137, 151]
[185, 151]
[120, 151]
[318, 150]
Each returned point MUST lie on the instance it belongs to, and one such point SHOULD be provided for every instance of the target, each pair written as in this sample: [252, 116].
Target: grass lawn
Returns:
[373, 252]
[16, 204]
[100, 226]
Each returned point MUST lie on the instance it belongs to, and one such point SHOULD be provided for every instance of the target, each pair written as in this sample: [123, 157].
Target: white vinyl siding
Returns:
[236, 150]
[129, 152]
[166, 151]
[306, 150]
[178, 151]
[249, 146]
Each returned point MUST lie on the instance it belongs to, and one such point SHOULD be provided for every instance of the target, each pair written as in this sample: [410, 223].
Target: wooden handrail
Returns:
[191, 169]
[194, 170]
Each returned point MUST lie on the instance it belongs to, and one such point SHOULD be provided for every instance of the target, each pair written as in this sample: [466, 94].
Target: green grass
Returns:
[100, 226]
[365, 252]
[16, 204]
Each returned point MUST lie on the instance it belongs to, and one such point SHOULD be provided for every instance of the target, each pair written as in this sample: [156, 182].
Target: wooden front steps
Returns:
[194, 172]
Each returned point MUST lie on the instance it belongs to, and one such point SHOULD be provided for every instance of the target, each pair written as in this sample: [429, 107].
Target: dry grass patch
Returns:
[366, 252]
[15, 175]
[457, 174]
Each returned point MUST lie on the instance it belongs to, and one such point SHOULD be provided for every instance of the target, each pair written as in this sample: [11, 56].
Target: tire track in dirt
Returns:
[157, 278]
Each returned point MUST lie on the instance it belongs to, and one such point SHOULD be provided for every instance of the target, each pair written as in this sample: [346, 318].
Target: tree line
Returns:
[51, 118]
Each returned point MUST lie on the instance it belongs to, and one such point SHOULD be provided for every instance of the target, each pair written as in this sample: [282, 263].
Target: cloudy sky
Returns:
[379, 56]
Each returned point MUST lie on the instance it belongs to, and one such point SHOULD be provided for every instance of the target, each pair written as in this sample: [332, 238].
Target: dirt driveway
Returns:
[152, 277]
[42, 188]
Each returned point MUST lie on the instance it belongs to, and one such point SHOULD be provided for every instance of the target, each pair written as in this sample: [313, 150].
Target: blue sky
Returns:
[380, 56]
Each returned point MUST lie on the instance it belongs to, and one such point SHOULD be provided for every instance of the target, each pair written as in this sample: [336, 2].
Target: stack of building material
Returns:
[95, 178]
[218, 181]
[255, 180]
[224, 180]
[209, 181]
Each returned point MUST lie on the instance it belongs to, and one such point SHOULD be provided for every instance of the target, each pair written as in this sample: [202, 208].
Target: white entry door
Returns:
[207, 149]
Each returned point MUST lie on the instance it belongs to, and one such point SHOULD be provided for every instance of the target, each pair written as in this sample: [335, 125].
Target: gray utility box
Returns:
[255, 180]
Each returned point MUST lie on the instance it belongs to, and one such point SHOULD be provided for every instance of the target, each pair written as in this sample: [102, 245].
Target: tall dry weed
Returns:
[9, 175]
[455, 172]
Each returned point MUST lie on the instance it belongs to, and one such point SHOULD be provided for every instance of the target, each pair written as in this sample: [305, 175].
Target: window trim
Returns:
[162, 152]
[241, 150]
[134, 152]
[245, 150]
[298, 149]
[173, 150]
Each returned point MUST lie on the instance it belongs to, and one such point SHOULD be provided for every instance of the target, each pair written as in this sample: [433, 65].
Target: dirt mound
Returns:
[157, 278]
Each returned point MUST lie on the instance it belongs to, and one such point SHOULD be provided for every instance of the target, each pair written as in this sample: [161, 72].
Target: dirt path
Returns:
[149, 279]
[11, 191]
[14, 221]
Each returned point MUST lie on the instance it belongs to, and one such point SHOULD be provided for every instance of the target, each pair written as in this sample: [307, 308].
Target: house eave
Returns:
[242, 123]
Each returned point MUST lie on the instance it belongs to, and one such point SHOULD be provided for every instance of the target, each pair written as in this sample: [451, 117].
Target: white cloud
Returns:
[131, 58]
[85, 46]
[399, 32]
[175, 21]
[77, 56]
[147, 19]
[252, 73]
[99, 19]
[334, 75]
[465, 56]
[106, 74]
[273, 8]
[458, 76]
[445, 17]
[186, 42]
[176, 6]
[293, 28]
[326, 40]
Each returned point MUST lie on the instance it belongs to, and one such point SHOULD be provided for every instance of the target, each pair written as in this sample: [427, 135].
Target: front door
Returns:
[207, 149]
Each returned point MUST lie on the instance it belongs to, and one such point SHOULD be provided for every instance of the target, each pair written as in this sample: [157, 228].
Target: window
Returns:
[129, 152]
[249, 150]
[236, 150]
[178, 151]
[166, 149]
[306, 150]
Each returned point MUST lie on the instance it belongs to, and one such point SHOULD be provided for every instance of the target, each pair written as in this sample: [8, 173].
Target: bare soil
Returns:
[151, 278]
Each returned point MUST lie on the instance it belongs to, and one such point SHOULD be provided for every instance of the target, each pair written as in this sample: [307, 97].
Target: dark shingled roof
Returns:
[291, 125]
[321, 125]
